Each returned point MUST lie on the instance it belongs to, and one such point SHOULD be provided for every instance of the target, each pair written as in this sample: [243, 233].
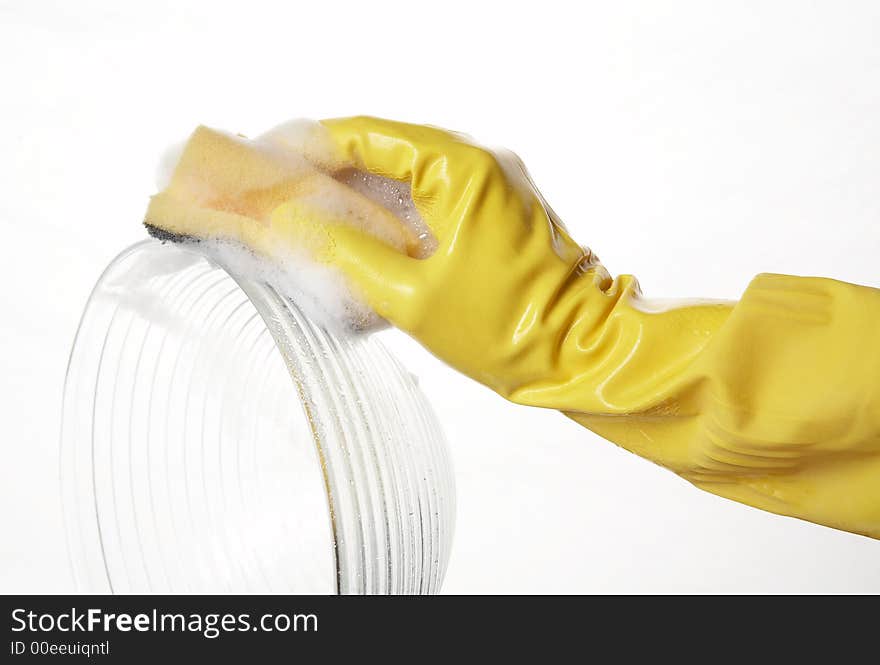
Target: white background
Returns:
[693, 144]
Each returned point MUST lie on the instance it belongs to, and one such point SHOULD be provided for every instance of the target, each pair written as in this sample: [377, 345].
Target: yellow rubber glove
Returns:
[773, 401]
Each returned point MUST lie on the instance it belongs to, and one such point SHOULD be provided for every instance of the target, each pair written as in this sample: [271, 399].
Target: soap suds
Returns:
[306, 138]
[320, 291]
[396, 197]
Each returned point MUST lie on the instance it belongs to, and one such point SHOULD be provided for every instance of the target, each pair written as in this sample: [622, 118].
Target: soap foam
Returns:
[396, 197]
[320, 291]
[306, 138]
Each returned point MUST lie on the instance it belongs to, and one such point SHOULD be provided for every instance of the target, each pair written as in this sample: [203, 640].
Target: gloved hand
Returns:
[773, 401]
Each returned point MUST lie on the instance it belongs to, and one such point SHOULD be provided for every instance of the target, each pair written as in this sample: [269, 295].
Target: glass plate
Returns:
[215, 440]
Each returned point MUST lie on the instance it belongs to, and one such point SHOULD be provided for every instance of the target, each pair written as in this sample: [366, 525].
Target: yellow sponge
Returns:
[266, 195]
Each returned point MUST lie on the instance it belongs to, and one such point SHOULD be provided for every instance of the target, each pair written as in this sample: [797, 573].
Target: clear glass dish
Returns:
[215, 440]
